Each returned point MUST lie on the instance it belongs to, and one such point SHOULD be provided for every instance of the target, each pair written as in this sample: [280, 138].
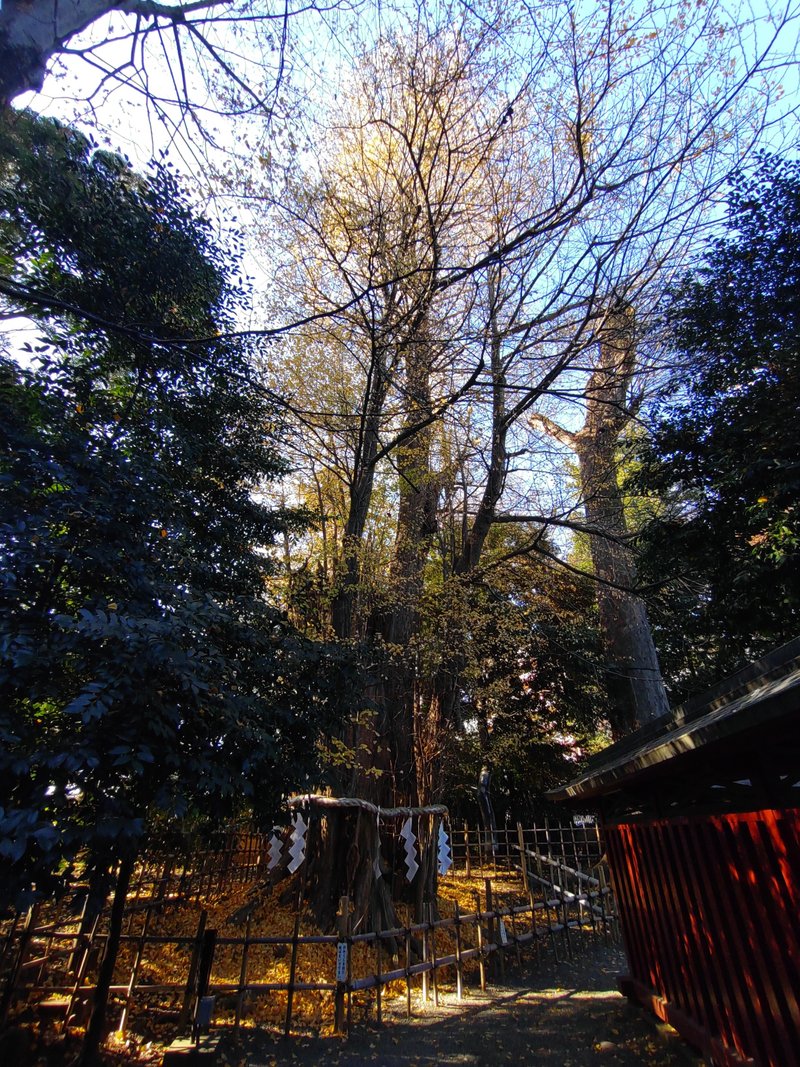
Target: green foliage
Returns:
[724, 456]
[144, 678]
[534, 701]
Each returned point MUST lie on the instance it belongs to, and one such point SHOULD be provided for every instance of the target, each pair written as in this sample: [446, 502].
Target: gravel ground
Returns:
[566, 1014]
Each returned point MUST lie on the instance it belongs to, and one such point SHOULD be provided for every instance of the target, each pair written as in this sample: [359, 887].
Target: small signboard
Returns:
[341, 962]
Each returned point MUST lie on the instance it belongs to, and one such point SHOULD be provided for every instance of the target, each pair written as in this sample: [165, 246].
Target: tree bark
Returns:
[32, 32]
[634, 679]
[343, 611]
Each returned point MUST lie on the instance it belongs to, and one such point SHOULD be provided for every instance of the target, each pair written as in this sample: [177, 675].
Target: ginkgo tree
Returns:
[479, 203]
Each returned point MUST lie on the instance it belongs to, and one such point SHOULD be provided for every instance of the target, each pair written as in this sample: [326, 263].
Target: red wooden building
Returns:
[701, 816]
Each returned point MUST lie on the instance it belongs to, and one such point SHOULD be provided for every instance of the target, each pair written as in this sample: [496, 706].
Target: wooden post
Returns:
[523, 859]
[342, 965]
[9, 937]
[467, 868]
[564, 907]
[534, 930]
[517, 944]
[602, 897]
[378, 987]
[287, 1026]
[80, 967]
[134, 972]
[459, 964]
[203, 979]
[490, 923]
[163, 884]
[24, 938]
[425, 953]
[243, 974]
[479, 931]
[433, 956]
[74, 956]
[186, 1008]
[408, 971]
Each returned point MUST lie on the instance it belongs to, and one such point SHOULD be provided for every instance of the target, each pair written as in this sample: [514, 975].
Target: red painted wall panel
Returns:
[710, 911]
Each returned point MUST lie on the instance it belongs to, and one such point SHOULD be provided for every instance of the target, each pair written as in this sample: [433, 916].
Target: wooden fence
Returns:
[532, 900]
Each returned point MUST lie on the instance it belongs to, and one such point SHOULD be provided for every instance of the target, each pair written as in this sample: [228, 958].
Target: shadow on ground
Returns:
[555, 1015]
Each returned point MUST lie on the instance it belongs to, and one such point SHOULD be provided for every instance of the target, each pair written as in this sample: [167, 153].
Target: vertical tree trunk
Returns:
[343, 611]
[406, 706]
[634, 675]
[634, 680]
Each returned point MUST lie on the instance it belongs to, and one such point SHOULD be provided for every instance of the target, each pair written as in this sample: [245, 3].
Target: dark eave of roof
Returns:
[761, 695]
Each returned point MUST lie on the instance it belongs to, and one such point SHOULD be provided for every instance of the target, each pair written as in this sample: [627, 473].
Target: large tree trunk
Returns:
[31, 31]
[343, 612]
[404, 689]
[634, 676]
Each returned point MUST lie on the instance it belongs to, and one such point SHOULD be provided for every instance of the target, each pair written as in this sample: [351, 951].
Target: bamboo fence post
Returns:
[586, 850]
[534, 930]
[194, 963]
[408, 970]
[602, 879]
[349, 943]
[135, 970]
[591, 897]
[434, 972]
[546, 897]
[491, 927]
[136, 891]
[378, 987]
[243, 975]
[9, 938]
[287, 1028]
[565, 909]
[515, 938]
[343, 929]
[203, 980]
[459, 963]
[25, 935]
[80, 971]
[82, 924]
[479, 936]
[523, 859]
[424, 954]
[163, 884]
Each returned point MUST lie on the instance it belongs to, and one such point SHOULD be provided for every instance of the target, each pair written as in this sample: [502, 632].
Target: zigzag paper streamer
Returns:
[275, 844]
[445, 857]
[410, 845]
[298, 847]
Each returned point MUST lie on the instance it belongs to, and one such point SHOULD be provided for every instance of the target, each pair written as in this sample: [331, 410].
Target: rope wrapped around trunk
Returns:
[317, 801]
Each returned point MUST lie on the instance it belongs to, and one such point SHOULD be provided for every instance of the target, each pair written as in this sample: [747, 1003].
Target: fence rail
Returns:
[559, 892]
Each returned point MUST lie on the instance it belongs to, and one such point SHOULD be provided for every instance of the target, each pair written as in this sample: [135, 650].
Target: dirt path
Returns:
[551, 1015]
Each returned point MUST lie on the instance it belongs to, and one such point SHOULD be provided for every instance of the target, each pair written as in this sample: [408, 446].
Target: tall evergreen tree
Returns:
[144, 675]
[724, 455]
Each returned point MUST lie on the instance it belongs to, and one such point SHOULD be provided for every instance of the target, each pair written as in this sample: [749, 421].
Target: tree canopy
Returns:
[723, 456]
[464, 236]
[144, 674]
